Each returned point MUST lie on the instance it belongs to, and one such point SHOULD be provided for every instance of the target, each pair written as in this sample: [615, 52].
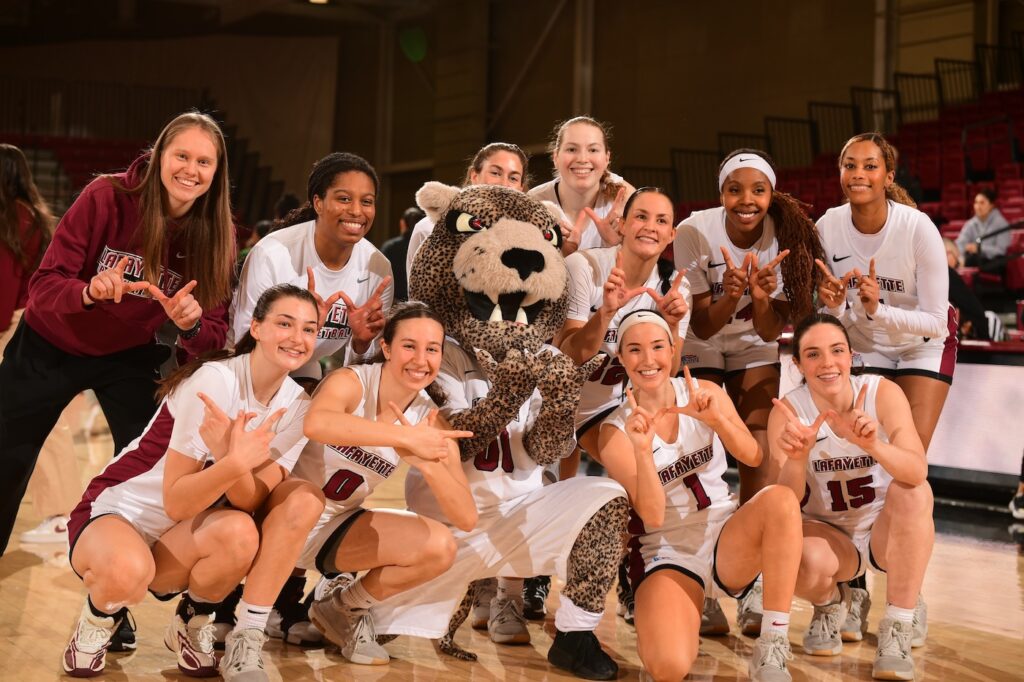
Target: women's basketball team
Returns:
[243, 470]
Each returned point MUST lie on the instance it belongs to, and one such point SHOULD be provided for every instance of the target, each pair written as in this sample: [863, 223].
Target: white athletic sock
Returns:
[356, 597]
[900, 614]
[775, 621]
[510, 588]
[571, 618]
[249, 616]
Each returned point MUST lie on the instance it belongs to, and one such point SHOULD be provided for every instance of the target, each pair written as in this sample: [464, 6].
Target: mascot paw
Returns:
[513, 376]
[448, 646]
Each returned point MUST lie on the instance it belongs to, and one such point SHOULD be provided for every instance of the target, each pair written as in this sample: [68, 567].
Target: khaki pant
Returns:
[56, 484]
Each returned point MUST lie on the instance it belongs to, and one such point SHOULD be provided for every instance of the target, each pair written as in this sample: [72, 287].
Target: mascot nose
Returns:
[523, 261]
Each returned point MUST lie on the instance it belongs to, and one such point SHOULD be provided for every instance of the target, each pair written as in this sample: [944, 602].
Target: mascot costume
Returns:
[493, 271]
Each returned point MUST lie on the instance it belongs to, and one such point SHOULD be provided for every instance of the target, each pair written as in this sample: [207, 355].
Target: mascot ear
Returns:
[434, 198]
[556, 212]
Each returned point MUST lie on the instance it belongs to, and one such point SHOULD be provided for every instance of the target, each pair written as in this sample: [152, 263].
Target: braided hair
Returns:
[795, 231]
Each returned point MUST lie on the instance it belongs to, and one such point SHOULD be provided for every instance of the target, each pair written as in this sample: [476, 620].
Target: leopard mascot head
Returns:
[492, 268]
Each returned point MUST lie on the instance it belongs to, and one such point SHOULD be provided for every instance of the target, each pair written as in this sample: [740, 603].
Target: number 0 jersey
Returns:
[846, 487]
[504, 470]
[690, 470]
[348, 473]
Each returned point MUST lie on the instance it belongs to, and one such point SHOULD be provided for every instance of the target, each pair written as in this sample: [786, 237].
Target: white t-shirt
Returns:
[348, 473]
[698, 249]
[588, 271]
[845, 486]
[912, 272]
[504, 470]
[591, 238]
[690, 470]
[132, 482]
[424, 226]
[282, 258]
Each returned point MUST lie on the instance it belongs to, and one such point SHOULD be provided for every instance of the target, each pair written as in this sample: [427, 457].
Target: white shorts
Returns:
[934, 358]
[528, 535]
[687, 546]
[728, 352]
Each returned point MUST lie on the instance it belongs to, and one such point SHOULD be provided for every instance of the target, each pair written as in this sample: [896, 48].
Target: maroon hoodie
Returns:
[97, 231]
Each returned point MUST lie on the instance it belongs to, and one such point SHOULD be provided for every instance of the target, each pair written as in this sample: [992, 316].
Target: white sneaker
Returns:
[768, 659]
[486, 590]
[507, 624]
[86, 653]
[243, 660]
[52, 529]
[193, 643]
[856, 623]
[325, 587]
[750, 609]
[892, 658]
[822, 637]
[920, 623]
[351, 630]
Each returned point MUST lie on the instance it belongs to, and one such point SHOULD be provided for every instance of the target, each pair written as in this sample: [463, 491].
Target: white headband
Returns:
[745, 161]
[640, 317]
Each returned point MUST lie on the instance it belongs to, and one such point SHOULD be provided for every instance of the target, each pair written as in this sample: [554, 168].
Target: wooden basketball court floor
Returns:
[974, 590]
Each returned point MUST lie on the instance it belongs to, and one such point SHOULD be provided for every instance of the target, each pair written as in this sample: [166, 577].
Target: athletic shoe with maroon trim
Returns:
[86, 653]
[193, 643]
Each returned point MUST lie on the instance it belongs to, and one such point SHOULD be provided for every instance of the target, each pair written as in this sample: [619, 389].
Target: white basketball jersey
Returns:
[689, 468]
[907, 237]
[698, 249]
[503, 470]
[282, 258]
[591, 238]
[845, 486]
[348, 473]
[588, 271]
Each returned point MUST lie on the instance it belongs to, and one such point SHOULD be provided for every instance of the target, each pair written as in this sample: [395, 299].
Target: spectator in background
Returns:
[990, 254]
[397, 248]
[973, 324]
[285, 205]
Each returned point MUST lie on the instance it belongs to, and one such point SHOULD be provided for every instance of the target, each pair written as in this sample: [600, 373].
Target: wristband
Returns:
[192, 333]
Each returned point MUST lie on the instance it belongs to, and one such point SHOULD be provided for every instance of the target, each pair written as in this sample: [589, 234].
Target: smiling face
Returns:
[825, 359]
[746, 196]
[582, 157]
[345, 213]
[286, 335]
[648, 226]
[500, 168]
[188, 165]
[646, 352]
[414, 353]
[863, 175]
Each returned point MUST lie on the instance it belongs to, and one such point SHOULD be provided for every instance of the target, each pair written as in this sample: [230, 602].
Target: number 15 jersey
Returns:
[846, 487]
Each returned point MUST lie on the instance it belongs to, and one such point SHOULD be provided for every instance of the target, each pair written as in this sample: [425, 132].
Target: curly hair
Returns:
[894, 191]
[795, 231]
[609, 188]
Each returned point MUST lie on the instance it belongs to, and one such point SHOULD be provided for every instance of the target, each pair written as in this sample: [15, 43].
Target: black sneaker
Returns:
[535, 594]
[581, 654]
[124, 631]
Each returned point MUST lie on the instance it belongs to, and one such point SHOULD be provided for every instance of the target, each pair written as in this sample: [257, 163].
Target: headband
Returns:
[640, 317]
[745, 161]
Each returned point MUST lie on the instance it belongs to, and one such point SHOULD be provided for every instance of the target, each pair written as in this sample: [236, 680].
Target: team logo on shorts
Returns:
[336, 325]
[135, 271]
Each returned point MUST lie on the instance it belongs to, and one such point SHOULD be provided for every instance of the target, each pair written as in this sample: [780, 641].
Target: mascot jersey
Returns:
[282, 258]
[504, 470]
[348, 473]
[698, 249]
